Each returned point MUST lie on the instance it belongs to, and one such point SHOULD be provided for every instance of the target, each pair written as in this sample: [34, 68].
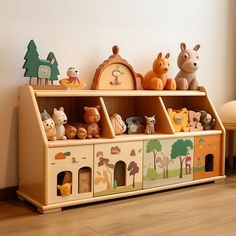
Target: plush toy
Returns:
[150, 125]
[65, 189]
[92, 117]
[81, 131]
[157, 79]
[117, 123]
[179, 119]
[60, 119]
[71, 131]
[194, 121]
[49, 126]
[134, 125]
[188, 61]
[73, 81]
[207, 120]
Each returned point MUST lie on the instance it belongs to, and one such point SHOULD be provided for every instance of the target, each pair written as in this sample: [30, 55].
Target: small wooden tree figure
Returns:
[41, 69]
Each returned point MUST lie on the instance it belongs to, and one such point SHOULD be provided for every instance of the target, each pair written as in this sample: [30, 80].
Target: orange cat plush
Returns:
[157, 78]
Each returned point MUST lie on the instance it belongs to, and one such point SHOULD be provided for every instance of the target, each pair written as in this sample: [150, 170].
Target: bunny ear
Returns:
[196, 47]
[159, 55]
[54, 110]
[183, 46]
[167, 55]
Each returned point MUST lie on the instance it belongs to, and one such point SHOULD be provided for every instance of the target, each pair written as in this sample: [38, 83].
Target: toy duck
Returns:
[73, 82]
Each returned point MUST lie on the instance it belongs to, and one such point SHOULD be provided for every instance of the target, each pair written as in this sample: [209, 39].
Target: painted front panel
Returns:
[70, 164]
[207, 156]
[167, 161]
[117, 167]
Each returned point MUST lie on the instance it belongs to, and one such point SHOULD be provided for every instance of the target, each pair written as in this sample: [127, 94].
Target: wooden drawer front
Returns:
[77, 163]
[164, 164]
[117, 167]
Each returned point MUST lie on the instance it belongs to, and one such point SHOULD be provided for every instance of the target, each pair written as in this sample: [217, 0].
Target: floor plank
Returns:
[208, 209]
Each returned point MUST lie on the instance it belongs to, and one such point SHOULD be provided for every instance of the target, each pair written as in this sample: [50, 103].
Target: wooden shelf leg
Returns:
[48, 211]
[231, 148]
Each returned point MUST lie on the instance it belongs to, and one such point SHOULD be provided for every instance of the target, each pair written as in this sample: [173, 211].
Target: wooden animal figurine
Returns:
[188, 62]
[117, 123]
[150, 125]
[60, 119]
[41, 69]
[73, 82]
[157, 78]
[92, 117]
[207, 120]
[65, 189]
[134, 125]
[49, 126]
[194, 121]
[179, 119]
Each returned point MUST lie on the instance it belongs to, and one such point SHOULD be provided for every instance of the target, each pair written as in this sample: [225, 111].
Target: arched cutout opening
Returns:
[64, 183]
[120, 174]
[84, 180]
[209, 162]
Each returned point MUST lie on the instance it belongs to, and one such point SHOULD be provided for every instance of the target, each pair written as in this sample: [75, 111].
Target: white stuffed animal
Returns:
[60, 119]
[49, 126]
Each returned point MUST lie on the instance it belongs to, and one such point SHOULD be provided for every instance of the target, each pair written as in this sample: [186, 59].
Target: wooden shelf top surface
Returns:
[129, 138]
[110, 93]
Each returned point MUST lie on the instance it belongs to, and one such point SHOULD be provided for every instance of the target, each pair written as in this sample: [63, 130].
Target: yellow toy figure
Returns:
[73, 82]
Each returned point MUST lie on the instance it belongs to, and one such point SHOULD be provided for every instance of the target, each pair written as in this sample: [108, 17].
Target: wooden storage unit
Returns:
[42, 163]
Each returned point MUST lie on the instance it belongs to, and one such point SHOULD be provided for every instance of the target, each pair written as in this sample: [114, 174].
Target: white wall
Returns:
[81, 34]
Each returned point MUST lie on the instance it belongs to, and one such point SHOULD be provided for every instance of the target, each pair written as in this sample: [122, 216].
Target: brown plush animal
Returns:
[92, 117]
[188, 62]
[157, 78]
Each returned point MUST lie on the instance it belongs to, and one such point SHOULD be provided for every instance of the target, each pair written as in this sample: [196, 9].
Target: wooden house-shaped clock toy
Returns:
[115, 73]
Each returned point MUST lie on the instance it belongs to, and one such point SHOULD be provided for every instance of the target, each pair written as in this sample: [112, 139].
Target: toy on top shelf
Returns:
[207, 120]
[188, 61]
[60, 119]
[179, 119]
[157, 79]
[41, 69]
[117, 123]
[150, 125]
[134, 125]
[49, 126]
[115, 73]
[194, 121]
[73, 81]
[92, 117]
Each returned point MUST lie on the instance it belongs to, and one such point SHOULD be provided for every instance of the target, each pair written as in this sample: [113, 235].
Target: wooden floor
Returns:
[208, 209]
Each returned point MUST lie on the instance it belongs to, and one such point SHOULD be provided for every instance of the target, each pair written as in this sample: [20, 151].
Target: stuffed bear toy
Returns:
[194, 121]
[188, 62]
[157, 78]
[92, 117]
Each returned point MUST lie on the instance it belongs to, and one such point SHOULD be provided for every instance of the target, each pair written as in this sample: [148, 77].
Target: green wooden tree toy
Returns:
[37, 68]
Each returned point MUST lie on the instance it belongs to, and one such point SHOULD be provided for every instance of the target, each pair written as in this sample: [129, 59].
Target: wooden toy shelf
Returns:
[134, 163]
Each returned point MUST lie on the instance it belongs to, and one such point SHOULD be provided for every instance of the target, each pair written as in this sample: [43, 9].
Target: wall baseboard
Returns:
[8, 193]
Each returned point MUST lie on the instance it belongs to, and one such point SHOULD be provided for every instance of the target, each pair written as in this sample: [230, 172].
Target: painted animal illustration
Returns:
[179, 119]
[60, 119]
[73, 81]
[188, 63]
[188, 161]
[49, 126]
[163, 162]
[157, 78]
[150, 125]
[92, 117]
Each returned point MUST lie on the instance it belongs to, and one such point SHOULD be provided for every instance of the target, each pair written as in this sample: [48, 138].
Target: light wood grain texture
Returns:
[187, 211]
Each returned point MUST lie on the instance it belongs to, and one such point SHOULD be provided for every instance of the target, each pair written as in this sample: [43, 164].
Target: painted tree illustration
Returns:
[164, 162]
[31, 64]
[180, 150]
[54, 67]
[154, 146]
[106, 177]
[133, 170]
